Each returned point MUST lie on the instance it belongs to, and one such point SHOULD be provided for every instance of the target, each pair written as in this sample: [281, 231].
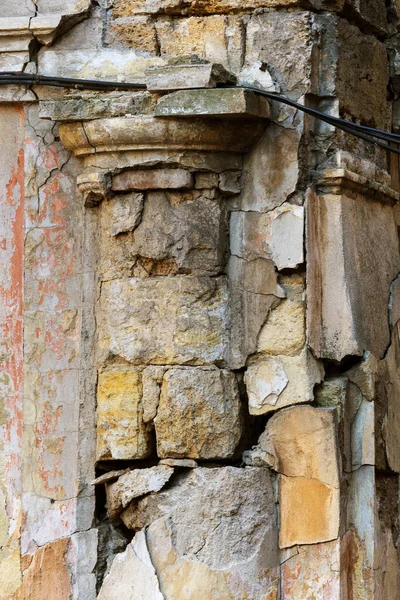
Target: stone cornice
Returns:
[151, 133]
[337, 181]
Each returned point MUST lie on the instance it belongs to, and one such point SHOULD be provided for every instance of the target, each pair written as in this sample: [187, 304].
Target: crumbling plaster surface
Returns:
[199, 305]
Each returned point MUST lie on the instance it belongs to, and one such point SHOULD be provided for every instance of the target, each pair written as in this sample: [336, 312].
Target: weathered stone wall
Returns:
[199, 303]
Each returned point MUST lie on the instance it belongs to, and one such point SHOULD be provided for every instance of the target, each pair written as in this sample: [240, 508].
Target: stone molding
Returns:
[150, 133]
[337, 181]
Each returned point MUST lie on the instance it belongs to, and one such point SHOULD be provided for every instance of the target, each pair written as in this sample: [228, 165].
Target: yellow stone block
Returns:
[121, 432]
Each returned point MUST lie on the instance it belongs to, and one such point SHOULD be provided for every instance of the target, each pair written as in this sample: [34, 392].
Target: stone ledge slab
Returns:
[187, 77]
[235, 102]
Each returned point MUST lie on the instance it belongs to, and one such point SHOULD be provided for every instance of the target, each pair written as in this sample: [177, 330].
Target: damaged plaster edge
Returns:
[133, 565]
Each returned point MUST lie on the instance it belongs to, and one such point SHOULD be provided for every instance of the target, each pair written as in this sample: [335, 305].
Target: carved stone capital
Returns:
[94, 187]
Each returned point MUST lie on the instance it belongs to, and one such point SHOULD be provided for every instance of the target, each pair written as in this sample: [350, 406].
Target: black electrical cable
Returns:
[336, 121]
[9, 78]
[369, 134]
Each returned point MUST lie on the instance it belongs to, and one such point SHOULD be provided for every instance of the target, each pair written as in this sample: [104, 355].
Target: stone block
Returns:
[189, 76]
[153, 179]
[126, 212]
[181, 232]
[152, 378]
[215, 38]
[199, 414]
[230, 182]
[284, 41]
[362, 72]
[365, 375]
[277, 235]
[96, 106]
[353, 257]
[273, 382]
[285, 329]
[121, 432]
[309, 511]
[371, 14]
[135, 484]
[391, 380]
[165, 320]
[271, 170]
[206, 181]
[138, 33]
[301, 442]
[213, 102]
[47, 573]
[231, 548]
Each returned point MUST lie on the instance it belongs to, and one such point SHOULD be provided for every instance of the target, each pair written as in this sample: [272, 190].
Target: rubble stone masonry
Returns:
[199, 303]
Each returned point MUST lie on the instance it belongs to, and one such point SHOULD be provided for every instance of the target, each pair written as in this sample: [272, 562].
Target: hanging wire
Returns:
[370, 134]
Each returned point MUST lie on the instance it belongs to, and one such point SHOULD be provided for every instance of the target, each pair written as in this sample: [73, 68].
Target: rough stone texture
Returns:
[121, 431]
[232, 548]
[126, 212]
[353, 258]
[199, 414]
[284, 331]
[277, 381]
[366, 56]
[192, 310]
[134, 484]
[180, 232]
[215, 38]
[284, 41]
[151, 269]
[46, 573]
[300, 443]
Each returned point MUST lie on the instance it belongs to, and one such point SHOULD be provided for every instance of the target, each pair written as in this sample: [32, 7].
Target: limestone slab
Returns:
[277, 235]
[121, 431]
[199, 414]
[213, 102]
[179, 232]
[301, 442]
[273, 382]
[165, 320]
[353, 256]
[176, 77]
[152, 179]
[363, 436]
[309, 511]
